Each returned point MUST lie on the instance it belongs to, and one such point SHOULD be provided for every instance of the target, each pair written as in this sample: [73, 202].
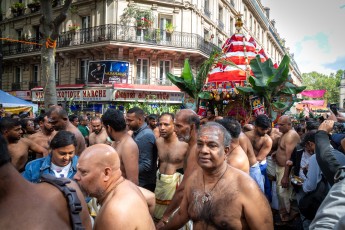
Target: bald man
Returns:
[287, 143]
[122, 203]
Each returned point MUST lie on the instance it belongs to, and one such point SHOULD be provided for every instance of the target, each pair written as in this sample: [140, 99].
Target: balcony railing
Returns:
[163, 82]
[33, 84]
[120, 33]
[16, 86]
[141, 81]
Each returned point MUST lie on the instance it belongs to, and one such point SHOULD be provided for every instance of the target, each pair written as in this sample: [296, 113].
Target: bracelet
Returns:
[340, 174]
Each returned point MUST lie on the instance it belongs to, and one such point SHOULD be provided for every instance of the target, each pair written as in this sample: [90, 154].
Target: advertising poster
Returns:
[108, 72]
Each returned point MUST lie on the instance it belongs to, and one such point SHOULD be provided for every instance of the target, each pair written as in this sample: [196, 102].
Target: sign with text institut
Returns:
[78, 95]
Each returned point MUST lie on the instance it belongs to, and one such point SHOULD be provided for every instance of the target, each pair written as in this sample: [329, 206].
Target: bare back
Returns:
[247, 148]
[238, 159]
[286, 146]
[125, 209]
[80, 139]
[19, 152]
[262, 145]
[47, 211]
[275, 135]
[241, 196]
[100, 138]
[128, 153]
[171, 155]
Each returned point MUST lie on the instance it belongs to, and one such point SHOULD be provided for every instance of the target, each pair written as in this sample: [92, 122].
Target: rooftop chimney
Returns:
[267, 9]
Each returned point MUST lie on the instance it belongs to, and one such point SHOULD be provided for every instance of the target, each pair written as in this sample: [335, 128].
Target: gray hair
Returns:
[222, 129]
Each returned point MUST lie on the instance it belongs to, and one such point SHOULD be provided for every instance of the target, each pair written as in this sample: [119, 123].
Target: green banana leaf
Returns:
[181, 84]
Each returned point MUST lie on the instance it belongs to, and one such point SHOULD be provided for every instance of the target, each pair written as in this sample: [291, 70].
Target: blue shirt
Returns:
[146, 142]
[34, 169]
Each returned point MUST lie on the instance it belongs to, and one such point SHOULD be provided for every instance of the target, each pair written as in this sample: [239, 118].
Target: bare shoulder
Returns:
[159, 141]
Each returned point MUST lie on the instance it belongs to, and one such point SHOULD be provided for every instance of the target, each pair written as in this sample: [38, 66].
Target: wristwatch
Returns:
[340, 174]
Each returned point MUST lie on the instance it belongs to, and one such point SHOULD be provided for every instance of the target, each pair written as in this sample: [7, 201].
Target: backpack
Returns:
[310, 203]
[74, 204]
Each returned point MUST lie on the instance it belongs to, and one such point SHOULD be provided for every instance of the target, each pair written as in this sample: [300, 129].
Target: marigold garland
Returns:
[24, 42]
[50, 43]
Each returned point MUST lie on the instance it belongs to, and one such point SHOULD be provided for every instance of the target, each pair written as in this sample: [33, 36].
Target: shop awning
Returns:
[68, 86]
[149, 88]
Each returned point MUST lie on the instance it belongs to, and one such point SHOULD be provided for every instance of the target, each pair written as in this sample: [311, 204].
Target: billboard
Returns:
[107, 72]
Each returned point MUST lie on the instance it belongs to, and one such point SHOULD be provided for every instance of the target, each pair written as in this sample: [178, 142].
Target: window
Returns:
[19, 36]
[86, 32]
[18, 75]
[84, 64]
[36, 73]
[245, 16]
[207, 8]
[164, 68]
[163, 21]
[232, 26]
[250, 22]
[220, 43]
[56, 73]
[254, 28]
[142, 71]
[206, 35]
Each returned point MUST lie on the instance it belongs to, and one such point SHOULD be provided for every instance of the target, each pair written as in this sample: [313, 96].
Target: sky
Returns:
[314, 31]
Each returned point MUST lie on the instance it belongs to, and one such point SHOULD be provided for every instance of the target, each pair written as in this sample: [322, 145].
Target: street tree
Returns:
[50, 29]
[331, 83]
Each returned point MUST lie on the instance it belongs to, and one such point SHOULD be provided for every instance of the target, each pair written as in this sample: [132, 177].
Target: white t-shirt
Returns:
[61, 171]
[304, 163]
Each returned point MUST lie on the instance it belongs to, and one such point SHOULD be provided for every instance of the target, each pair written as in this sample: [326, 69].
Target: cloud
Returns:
[339, 63]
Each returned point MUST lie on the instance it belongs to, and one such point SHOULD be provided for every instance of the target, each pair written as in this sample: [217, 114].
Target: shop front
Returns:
[151, 98]
[79, 100]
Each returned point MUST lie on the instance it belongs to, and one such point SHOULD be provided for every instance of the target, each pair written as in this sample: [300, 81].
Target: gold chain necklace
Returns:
[207, 195]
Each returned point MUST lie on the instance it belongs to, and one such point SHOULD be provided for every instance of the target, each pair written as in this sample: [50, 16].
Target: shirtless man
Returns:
[98, 135]
[18, 147]
[115, 126]
[288, 142]
[248, 127]
[187, 123]
[254, 170]
[218, 196]
[171, 153]
[122, 203]
[34, 206]
[275, 135]
[58, 118]
[46, 134]
[152, 123]
[262, 144]
[210, 116]
[237, 157]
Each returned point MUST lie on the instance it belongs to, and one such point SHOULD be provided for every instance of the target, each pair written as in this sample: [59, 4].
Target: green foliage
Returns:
[144, 18]
[169, 27]
[271, 83]
[331, 83]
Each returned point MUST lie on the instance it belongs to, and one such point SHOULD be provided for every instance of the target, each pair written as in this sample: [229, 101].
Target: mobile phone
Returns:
[333, 108]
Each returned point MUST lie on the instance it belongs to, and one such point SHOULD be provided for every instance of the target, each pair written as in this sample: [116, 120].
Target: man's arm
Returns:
[253, 200]
[150, 198]
[332, 208]
[181, 217]
[265, 149]
[145, 145]
[290, 143]
[326, 160]
[35, 147]
[177, 198]
[130, 159]
[81, 144]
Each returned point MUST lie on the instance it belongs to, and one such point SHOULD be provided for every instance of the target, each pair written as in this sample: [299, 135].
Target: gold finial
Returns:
[238, 23]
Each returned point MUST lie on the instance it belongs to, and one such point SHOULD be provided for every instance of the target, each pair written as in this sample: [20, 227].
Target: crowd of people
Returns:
[169, 171]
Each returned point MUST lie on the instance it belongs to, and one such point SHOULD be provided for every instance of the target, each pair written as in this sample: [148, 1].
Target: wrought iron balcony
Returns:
[120, 33]
[16, 86]
[141, 81]
[163, 82]
[33, 84]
